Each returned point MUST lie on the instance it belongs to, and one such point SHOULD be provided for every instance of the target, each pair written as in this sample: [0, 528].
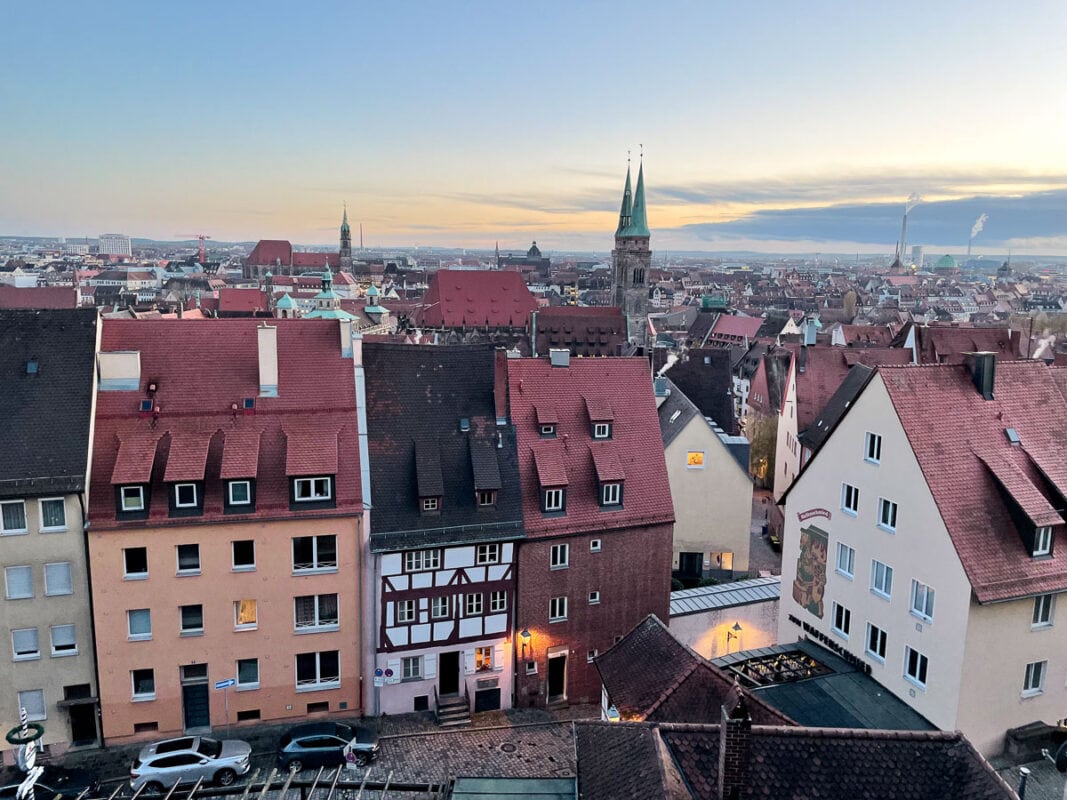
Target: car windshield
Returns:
[210, 748]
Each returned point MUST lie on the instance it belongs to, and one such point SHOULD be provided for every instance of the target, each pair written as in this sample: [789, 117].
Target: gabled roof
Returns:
[584, 330]
[38, 297]
[269, 252]
[475, 299]
[706, 378]
[947, 345]
[242, 301]
[44, 436]
[840, 401]
[735, 325]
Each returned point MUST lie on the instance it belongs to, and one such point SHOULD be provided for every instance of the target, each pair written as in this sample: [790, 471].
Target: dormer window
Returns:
[553, 500]
[185, 495]
[313, 490]
[601, 430]
[239, 493]
[548, 431]
[611, 494]
[430, 505]
[486, 498]
[131, 499]
[1043, 541]
[186, 499]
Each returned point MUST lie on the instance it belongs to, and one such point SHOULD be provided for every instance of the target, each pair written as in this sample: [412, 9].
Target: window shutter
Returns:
[499, 654]
[468, 662]
[394, 665]
[57, 579]
[25, 642]
[429, 665]
[19, 582]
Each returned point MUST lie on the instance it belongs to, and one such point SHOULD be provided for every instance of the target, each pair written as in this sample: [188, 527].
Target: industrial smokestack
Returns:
[913, 200]
[975, 230]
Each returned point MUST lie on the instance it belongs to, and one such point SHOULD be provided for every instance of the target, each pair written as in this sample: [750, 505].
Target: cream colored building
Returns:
[925, 539]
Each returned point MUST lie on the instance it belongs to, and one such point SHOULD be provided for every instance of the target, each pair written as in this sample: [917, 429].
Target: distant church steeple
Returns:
[346, 241]
[632, 258]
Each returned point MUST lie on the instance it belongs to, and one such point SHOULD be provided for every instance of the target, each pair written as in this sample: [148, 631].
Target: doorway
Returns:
[196, 707]
[448, 672]
[557, 677]
[81, 707]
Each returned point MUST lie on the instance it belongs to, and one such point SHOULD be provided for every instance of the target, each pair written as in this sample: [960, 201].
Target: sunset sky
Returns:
[772, 126]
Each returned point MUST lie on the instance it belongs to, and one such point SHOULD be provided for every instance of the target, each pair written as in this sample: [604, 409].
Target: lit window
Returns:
[611, 494]
[192, 620]
[472, 605]
[411, 668]
[915, 666]
[881, 579]
[188, 559]
[601, 430]
[244, 555]
[842, 620]
[846, 560]
[1034, 678]
[248, 673]
[488, 554]
[185, 495]
[315, 612]
[887, 514]
[431, 503]
[483, 658]
[139, 624]
[872, 448]
[560, 557]
[132, 498]
[1043, 541]
[318, 670]
[57, 579]
[24, 644]
[240, 493]
[850, 499]
[876, 639]
[306, 490]
[486, 497]
[245, 615]
[315, 553]
[694, 459]
[13, 517]
[557, 609]
[439, 607]
[1042, 617]
[498, 602]
[922, 601]
[531, 667]
[552, 500]
[53, 514]
[405, 611]
[135, 563]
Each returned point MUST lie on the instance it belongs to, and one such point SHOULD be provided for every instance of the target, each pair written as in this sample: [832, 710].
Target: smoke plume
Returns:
[913, 200]
[978, 225]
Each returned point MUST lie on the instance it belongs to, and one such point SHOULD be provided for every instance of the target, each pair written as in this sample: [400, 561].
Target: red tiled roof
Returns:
[1022, 490]
[240, 455]
[476, 298]
[187, 457]
[269, 252]
[606, 461]
[941, 345]
[242, 300]
[311, 452]
[733, 325]
[316, 260]
[133, 463]
[598, 408]
[38, 296]
[548, 458]
[546, 415]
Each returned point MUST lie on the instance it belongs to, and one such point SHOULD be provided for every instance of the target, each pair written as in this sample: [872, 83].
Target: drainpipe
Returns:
[368, 581]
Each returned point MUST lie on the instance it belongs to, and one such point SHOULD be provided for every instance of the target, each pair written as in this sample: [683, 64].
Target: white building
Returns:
[114, 244]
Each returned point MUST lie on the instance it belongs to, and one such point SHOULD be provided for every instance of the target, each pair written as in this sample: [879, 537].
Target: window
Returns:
[591, 656]
[431, 504]
[244, 555]
[132, 498]
[439, 608]
[472, 605]
[1043, 541]
[876, 642]
[144, 684]
[922, 601]
[487, 554]
[405, 610]
[560, 556]
[594, 598]
[483, 659]
[188, 559]
[846, 560]
[411, 668]
[842, 620]
[498, 602]
[139, 623]
[13, 517]
[486, 497]
[248, 673]
[557, 609]
[881, 579]
[419, 560]
[694, 459]
[185, 495]
[1042, 617]
[872, 448]
[33, 701]
[64, 641]
[1034, 678]
[135, 563]
[24, 644]
[239, 493]
[611, 494]
[192, 620]
[315, 553]
[594, 545]
[315, 611]
[57, 579]
[306, 490]
[53, 514]
[915, 665]
[887, 514]
[547, 431]
[552, 499]
[601, 430]
[245, 615]
[318, 670]
[19, 582]
[850, 498]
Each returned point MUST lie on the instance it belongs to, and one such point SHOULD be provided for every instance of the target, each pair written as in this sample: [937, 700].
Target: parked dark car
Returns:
[52, 783]
[324, 744]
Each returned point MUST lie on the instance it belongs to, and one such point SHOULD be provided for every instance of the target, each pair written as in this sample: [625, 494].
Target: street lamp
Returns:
[525, 636]
[733, 633]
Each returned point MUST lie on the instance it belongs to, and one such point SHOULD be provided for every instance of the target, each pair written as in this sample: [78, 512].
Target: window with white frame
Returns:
[487, 554]
[411, 668]
[33, 701]
[315, 612]
[915, 666]
[318, 670]
[881, 579]
[594, 545]
[139, 624]
[24, 644]
[13, 517]
[185, 495]
[245, 615]
[887, 514]
[188, 559]
[560, 557]
[1043, 540]
[247, 673]
[144, 684]
[850, 498]
[439, 607]
[192, 620]
[405, 611]
[876, 640]
[420, 560]
[842, 620]
[307, 490]
[53, 514]
[18, 582]
[472, 604]
[239, 493]
[611, 494]
[1034, 678]
[594, 598]
[846, 560]
[872, 448]
[315, 553]
[58, 579]
[557, 609]
[498, 601]
[590, 656]
[244, 555]
[552, 499]
[601, 430]
[64, 641]
[547, 430]
[1042, 616]
[483, 659]
[134, 563]
[431, 504]
[922, 601]
[486, 498]
[131, 498]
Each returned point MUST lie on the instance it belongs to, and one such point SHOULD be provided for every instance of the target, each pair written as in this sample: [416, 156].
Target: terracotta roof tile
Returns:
[548, 457]
[476, 298]
[269, 252]
[136, 455]
[187, 457]
[599, 409]
[1022, 490]
[606, 461]
[38, 297]
[240, 455]
[312, 452]
[734, 325]
[546, 415]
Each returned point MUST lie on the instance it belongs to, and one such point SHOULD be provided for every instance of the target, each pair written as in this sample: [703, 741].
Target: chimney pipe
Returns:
[559, 358]
[268, 360]
[346, 338]
[982, 366]
[500, 385]
[735, 734]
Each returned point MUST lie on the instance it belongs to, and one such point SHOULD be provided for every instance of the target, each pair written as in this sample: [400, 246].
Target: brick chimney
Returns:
[734, 740]
[500, 385]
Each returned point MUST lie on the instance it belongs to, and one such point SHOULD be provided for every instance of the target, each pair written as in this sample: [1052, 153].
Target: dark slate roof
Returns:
[625, 761]
[416, 398]
[839, 402]
[44, 436]
[709, 385]
[676, 403]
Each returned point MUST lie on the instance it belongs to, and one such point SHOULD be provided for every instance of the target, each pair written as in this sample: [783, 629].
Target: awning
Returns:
[133, 464]
[78, 701]
[607, 463]
[311, 453]
[599, 409]
[240, 455]
[484, 463]
[551, 470]
[431, 482]
[187, 457]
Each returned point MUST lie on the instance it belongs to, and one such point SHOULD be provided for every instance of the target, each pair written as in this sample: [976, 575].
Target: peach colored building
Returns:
[226, 534]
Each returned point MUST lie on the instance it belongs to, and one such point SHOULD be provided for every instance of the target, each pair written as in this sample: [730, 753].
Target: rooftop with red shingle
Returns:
[476, 298]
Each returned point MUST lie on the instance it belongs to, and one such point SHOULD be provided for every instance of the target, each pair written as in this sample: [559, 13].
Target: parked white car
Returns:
[188, 759]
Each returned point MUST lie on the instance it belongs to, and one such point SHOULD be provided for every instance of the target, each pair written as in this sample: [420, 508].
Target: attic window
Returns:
[1013, 435]
[146, 406]
[464, 424]
[1043, 541]
[548, 431]
[32, 366]
[601, 430]
[249, 402]
[430, 505]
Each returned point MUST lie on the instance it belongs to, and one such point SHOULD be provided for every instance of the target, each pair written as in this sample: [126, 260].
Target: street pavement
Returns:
[761, 557]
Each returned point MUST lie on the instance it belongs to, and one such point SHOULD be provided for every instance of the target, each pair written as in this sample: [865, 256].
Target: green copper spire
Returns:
[639, 219]
[625, 211]
[344, 222]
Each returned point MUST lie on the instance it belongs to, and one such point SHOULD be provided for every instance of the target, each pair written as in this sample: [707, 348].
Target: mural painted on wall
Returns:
[809, 586]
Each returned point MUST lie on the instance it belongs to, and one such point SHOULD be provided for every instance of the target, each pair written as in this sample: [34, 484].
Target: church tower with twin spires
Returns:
[631, 260]
[346, 242]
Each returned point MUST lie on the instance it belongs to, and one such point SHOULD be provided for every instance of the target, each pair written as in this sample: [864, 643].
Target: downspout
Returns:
[367, 581]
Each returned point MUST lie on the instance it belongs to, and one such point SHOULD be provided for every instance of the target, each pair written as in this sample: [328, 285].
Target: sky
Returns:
[773, 126]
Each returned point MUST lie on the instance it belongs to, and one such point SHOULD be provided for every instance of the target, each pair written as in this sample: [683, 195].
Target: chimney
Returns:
[268, 361]
[982, 366]
[346, 338]
[809, 332]
[735, 735]
[533, 334]
[500, 385]
[559, 358]
[120, 371]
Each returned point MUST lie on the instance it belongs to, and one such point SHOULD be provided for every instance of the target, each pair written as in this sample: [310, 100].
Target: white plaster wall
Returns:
[705, 632]
[786, 457]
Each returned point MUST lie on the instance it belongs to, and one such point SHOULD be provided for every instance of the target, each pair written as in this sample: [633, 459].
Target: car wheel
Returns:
[296, 765]
[225, 777]
[153, 787]
[361, 759]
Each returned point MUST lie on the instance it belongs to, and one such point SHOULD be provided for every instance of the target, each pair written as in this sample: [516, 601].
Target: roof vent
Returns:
[659, 386]
[559, 358]
[1013, 435]
[464, 425]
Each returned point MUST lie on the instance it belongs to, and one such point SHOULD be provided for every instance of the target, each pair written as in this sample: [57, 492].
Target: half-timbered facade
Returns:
[445, 520]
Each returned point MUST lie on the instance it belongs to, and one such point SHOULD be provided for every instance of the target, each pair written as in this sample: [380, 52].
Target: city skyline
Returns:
[764, 129]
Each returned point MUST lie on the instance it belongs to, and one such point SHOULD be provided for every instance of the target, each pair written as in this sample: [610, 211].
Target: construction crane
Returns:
[201, 254]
